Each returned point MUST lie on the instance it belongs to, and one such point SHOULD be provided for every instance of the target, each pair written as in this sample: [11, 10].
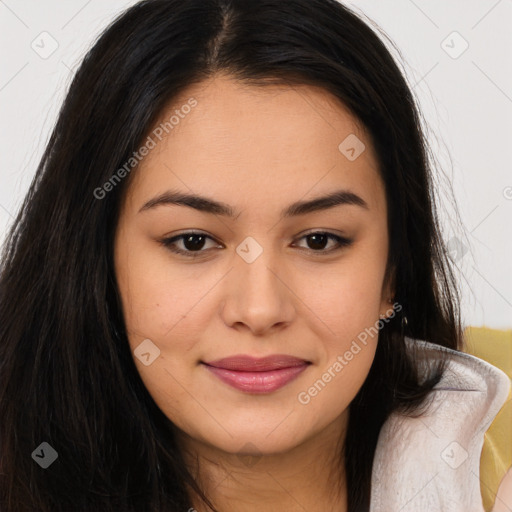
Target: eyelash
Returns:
[169, 243]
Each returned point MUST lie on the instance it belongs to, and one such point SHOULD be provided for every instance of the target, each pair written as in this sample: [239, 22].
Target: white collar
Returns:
[432, 463]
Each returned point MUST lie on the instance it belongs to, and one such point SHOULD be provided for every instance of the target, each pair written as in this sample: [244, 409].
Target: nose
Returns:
[258, 295]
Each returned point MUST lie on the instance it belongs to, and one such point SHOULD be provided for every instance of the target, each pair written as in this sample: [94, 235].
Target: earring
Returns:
[403, 324]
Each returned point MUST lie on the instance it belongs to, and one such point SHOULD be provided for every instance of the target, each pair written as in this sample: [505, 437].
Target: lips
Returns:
[252, 364]
[257, 375]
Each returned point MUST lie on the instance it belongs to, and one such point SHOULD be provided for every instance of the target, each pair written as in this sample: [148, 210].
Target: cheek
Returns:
[345, 299]
[348, 303]
[160, 300]
[334, 386]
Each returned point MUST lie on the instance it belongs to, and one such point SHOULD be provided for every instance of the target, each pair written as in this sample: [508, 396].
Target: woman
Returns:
[227, 289]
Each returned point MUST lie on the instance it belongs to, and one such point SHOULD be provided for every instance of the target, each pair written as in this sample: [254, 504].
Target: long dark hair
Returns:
[67, 376]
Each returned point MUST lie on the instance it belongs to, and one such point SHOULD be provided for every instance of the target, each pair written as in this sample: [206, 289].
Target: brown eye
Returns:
[192, 243]
[317, 242]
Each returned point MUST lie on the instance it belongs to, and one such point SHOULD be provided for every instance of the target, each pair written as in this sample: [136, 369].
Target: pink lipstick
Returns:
[257, 375]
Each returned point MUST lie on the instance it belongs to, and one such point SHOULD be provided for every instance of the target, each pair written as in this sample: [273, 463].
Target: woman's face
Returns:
[257, 282]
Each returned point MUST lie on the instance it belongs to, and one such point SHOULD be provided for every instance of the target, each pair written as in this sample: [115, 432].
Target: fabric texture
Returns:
[432, 462]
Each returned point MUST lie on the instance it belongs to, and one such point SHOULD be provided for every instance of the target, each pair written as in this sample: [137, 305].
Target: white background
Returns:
[467, 102]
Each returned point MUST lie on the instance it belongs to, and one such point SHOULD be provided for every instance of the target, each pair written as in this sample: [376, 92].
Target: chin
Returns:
[256, 443]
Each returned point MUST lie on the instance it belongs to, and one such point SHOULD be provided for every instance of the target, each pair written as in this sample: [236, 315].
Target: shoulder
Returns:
[432, 462]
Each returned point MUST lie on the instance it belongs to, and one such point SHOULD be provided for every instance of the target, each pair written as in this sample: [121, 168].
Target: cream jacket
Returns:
[432, 463]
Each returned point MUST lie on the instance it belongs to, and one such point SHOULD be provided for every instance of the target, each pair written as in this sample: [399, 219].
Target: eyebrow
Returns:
[207, 205]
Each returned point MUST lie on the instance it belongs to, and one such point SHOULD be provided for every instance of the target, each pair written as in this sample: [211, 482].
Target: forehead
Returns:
[262, 143]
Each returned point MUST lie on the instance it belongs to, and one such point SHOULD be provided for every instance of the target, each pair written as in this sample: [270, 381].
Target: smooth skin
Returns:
[257, 149]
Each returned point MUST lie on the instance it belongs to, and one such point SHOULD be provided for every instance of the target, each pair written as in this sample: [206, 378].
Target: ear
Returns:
[388, 294]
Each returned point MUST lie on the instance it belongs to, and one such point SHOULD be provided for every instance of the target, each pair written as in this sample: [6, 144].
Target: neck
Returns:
[310, 476]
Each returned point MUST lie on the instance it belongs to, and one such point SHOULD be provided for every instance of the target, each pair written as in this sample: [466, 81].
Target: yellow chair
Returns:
[495, 347]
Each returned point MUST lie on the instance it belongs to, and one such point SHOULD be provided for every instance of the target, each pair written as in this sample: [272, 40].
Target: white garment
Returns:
[432, 463]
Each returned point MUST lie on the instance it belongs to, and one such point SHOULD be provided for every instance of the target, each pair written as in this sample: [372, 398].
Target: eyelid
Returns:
[168, 242]
[342, 242]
